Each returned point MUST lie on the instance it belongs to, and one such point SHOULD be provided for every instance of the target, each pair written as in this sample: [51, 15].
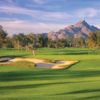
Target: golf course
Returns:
[80, 81]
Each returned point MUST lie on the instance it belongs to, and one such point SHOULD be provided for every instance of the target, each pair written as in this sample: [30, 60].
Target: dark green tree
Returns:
[3, 35]
[62, 43]
[92, 40]
[80, 42]
[98, 40]
[32, 42]
[42, 41]
[19, 41]
[69, 40]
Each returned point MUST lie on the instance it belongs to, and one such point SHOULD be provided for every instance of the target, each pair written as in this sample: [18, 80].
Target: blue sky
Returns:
[41, 16]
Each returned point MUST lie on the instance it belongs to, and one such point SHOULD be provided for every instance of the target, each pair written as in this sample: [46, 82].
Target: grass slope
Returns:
[80, 82]
[49, 61]
[3, 60]
[22, 63]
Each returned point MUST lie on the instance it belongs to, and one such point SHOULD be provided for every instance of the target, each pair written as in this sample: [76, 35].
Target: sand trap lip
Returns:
[39, 63]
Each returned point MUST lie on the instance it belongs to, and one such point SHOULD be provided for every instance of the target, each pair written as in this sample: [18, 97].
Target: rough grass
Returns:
[79, 82]
[22, 63]
[68, 65]
[3, 60]
[49, 61]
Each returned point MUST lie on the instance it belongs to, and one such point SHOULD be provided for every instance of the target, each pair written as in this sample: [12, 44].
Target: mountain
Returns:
[82, 28]
[0, 27]
[14, 35]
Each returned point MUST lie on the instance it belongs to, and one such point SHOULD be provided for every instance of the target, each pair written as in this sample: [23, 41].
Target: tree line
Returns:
[31, 42]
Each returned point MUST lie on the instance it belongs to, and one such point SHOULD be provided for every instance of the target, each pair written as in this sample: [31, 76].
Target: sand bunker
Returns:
[39, 63]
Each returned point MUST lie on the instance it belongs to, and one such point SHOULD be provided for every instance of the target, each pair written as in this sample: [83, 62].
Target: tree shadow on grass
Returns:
[36, 86]
[89, 98]
[65, 53]
[80, 91]
[31, 85]
[14, 56]
[45, 75]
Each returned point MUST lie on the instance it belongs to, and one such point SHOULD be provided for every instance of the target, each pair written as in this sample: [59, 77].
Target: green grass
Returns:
[49, 61]
[3, 60]
[22, 63]
[68, 65]
[79, 82]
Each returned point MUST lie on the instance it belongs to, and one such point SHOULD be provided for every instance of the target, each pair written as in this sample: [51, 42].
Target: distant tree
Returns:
[5, 42]
[92, 40]
[97, 32]
[75, 42]
[26, 41]
[49, 43]
[80, 42]
[69, 40]
[20, 41]
[98, 40]
[56, 45]
[16, 43]
[42, 41]
[3, 35]
[32, 43]
[62, 43]
[1, 42]
[53, 42]
[10, 43]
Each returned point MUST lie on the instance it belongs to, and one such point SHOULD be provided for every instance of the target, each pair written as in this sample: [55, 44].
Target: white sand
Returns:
[39, 63]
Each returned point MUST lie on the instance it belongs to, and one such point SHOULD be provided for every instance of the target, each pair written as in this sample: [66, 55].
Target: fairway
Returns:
[79, 82]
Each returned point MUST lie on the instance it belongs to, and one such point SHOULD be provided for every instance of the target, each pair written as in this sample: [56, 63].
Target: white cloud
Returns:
[54, 16]
[18, 26]
[40, 1]
[7, 2]
[35, 13]
[8, 19]
[10, 1]
[88, 12]
[98, 26]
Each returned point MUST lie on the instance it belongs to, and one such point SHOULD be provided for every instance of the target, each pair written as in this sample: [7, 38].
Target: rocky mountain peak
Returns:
[0, 27]
[14, 35]
[82, 28]
[82, 23]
